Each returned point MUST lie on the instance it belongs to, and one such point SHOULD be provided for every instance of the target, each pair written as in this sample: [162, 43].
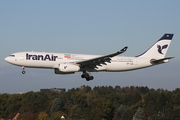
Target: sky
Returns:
[88, 27]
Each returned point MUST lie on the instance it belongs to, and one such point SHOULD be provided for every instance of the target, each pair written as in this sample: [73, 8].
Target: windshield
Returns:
[11, 55]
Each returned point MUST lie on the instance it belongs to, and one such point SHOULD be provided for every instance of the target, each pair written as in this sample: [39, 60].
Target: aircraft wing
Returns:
[93, 63]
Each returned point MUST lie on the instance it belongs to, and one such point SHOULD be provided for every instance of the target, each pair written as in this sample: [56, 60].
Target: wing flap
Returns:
[93, 63]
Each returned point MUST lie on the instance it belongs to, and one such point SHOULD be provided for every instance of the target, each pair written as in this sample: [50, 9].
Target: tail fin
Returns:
[159, 49]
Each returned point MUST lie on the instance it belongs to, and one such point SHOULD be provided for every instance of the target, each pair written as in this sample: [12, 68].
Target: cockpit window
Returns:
[11, 55]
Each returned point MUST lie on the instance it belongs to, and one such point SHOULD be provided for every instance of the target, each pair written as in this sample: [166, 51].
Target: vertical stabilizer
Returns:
[159, 49]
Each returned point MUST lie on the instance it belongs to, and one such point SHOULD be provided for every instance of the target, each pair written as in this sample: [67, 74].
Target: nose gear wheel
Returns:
[23, 71]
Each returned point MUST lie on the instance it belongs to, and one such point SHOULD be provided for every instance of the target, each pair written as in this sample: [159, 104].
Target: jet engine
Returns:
[67, 69]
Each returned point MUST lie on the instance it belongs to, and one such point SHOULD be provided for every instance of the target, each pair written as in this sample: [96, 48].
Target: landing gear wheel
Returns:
[91, 77]
[23, 72]
[88, 79]
[82, 76]
[87, 76]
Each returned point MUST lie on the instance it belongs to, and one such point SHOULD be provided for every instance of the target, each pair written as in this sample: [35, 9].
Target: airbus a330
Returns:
[65, 63]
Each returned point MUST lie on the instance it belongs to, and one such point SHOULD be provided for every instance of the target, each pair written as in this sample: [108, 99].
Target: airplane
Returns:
[66, 63]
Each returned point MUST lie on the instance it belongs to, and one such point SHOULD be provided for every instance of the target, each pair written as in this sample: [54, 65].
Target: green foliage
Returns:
[127, 114]
[119, 111]
[42, 116]
[140, 114]
[56, 106]
[100, 103]
[175, 114]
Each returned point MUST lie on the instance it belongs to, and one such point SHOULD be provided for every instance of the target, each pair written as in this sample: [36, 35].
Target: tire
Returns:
[91, 77]
[88, 79]
[23, 72]
[82, 76]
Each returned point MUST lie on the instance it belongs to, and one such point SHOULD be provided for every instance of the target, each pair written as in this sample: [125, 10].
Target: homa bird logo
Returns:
[160, 48]
[65, 67]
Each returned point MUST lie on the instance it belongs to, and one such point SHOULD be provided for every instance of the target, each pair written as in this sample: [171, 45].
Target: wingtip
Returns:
[124, 49]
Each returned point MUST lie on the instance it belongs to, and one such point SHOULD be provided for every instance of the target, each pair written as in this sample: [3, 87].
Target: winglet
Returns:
[124, 49]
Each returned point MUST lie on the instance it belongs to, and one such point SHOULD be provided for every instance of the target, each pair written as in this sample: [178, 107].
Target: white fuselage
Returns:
[65, 63]
[50, 60]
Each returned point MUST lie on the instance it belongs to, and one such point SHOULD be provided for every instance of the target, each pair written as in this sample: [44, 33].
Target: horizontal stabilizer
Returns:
[159, 61]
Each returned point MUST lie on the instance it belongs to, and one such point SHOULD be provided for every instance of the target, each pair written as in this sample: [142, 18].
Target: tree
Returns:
[56, 106]
[76, 112]
[119, 111]
[140, 115]
[127, 114]
[42, 116]
[56, 115]
[161, 101]
[101, 108]
[175, 115]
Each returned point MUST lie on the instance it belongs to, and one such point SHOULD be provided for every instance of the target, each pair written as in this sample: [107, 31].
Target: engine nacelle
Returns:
[56, 71]
[68, 68]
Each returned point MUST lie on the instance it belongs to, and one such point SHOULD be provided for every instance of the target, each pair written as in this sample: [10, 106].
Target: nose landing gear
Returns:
[87, 76]
[23, 71]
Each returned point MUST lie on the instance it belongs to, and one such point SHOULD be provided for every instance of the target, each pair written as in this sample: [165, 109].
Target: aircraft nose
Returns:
[7, 59]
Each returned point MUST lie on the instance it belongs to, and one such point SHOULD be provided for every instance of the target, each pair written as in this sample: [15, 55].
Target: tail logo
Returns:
[160, 48]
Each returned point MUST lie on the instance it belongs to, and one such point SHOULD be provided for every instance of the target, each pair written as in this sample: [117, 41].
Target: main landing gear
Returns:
[87, 76]
[23, 71]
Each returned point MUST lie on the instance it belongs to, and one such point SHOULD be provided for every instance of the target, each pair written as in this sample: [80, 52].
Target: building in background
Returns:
[53, 90]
